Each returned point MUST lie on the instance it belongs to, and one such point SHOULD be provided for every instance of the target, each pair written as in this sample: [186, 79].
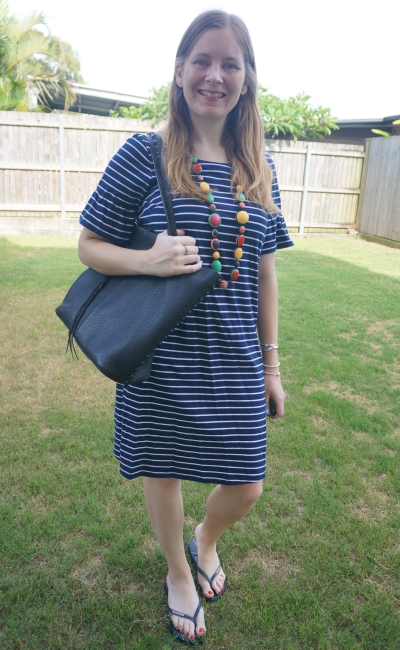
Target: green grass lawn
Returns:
[314, 566]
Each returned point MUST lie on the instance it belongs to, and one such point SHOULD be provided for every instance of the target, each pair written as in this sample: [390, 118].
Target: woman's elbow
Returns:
[85, 244]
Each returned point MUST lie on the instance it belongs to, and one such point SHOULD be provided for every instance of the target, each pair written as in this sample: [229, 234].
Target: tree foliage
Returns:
[33, 63]
[294, 116]
[154, 109]
[385, 134]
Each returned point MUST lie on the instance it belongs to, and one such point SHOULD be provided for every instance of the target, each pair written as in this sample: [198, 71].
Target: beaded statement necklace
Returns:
[215, 220]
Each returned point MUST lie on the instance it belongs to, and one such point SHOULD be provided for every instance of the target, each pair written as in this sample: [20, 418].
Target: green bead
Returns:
[194, 159]
[216, 265]
[210, 197]
[241, 196]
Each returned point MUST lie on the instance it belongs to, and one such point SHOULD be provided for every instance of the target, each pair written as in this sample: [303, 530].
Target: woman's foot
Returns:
[183, 597]
[208, 561]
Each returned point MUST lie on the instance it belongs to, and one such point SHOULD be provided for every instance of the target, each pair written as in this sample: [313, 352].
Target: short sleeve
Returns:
[113, 208]
[277, 235]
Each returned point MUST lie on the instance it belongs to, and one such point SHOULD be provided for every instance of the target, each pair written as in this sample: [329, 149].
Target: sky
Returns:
[342, 53]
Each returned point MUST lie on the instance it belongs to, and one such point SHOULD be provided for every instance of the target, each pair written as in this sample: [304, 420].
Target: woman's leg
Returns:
[226, 504]
[165, 507]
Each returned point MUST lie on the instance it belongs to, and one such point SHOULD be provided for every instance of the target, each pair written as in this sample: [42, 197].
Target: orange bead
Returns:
[223, 285]
[235, 274]
[240, 240]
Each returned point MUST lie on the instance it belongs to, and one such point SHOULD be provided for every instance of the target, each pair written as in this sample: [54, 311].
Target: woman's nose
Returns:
[214, 73]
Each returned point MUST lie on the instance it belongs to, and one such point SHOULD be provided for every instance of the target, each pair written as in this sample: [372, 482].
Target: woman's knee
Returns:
[167, 484]
[248, 493]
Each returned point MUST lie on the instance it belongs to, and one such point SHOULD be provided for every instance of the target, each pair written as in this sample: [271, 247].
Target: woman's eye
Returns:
[200, 62]
[231, 66]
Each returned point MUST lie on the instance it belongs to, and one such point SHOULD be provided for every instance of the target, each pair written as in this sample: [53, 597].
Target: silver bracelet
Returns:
[276, 374]
[277, 365]
[266, 347]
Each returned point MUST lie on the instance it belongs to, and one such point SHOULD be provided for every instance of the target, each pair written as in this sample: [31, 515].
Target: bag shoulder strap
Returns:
[156, 145]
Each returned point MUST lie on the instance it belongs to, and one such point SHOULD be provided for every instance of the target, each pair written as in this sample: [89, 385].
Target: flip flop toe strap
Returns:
[210, 580]
[182, 615]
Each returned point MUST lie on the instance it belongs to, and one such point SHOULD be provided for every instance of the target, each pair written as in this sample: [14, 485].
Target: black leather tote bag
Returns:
[118, 321]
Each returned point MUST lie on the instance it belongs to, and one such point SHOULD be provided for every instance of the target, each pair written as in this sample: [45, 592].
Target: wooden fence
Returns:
[379, 210]
[51, 163]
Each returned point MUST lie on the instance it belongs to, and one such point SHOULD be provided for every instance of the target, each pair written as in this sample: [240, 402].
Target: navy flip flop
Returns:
[177, 633]
[194, 554]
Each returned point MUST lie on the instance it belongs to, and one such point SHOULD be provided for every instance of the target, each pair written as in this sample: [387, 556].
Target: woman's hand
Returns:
[172, 255]
[274, 390]
[168, 256]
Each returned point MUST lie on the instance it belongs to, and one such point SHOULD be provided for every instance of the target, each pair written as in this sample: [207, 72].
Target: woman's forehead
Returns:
[221, 41]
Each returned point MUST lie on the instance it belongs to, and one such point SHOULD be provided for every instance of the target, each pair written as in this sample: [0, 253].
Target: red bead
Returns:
[235, 274]
[212, 207]
[240, 240]
[241, 205]
[215, 244]
[197, 168]
[242, 229]
[214, 220]
[223, 285]
[201, 178]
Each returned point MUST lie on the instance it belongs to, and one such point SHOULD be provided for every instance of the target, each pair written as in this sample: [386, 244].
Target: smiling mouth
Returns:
[215, 95]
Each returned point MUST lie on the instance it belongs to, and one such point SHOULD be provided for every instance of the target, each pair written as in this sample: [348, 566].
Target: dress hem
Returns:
[131, 477]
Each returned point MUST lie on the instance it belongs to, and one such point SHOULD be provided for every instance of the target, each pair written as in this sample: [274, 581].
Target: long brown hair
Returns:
[244, 133]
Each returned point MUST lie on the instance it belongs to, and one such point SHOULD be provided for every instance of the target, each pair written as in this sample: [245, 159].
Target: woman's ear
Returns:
[244, 89]
[179, 76]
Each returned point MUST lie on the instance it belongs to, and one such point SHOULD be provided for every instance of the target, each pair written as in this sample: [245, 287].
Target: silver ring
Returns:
[186, 250]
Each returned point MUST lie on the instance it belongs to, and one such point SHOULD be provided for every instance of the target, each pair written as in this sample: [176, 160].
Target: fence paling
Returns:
[55, 166]
[379, 209]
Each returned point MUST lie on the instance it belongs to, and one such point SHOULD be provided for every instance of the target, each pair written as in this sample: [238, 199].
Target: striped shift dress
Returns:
[201, 415]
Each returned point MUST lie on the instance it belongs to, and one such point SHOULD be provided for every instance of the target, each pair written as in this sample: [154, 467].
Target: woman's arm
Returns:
[167, 257]
[267, 325]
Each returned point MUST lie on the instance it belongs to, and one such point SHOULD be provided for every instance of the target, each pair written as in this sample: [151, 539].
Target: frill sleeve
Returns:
[277, 235]
[114, 205]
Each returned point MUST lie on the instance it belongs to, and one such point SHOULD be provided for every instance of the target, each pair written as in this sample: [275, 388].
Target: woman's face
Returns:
[213, 75]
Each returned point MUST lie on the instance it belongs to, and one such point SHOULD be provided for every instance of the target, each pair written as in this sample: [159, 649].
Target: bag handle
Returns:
[156, 143]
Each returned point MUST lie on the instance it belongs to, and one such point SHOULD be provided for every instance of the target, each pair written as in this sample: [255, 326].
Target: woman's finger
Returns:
[186, 241]
[190, 250]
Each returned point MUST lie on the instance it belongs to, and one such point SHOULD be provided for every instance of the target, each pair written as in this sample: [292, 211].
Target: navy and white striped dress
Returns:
[201, 415]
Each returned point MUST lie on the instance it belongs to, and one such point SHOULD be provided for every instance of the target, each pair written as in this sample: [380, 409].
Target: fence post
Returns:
[62, 170]
[305, 188]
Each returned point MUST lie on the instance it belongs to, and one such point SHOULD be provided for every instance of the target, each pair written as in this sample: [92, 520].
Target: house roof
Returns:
[96, 101]
[371, 123]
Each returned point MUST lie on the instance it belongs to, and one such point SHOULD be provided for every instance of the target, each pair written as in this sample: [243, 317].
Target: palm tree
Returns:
[33, 64]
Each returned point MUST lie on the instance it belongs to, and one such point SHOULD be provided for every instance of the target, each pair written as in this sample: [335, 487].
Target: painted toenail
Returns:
[201, 629]
[210, 592]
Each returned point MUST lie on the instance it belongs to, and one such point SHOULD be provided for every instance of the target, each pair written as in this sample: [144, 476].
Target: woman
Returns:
[201, 415]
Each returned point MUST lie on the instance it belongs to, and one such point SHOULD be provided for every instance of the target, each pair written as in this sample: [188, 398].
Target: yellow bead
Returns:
[204, 186]
[242, 216]
[216, 255]
[239, 188]
[238, 254]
